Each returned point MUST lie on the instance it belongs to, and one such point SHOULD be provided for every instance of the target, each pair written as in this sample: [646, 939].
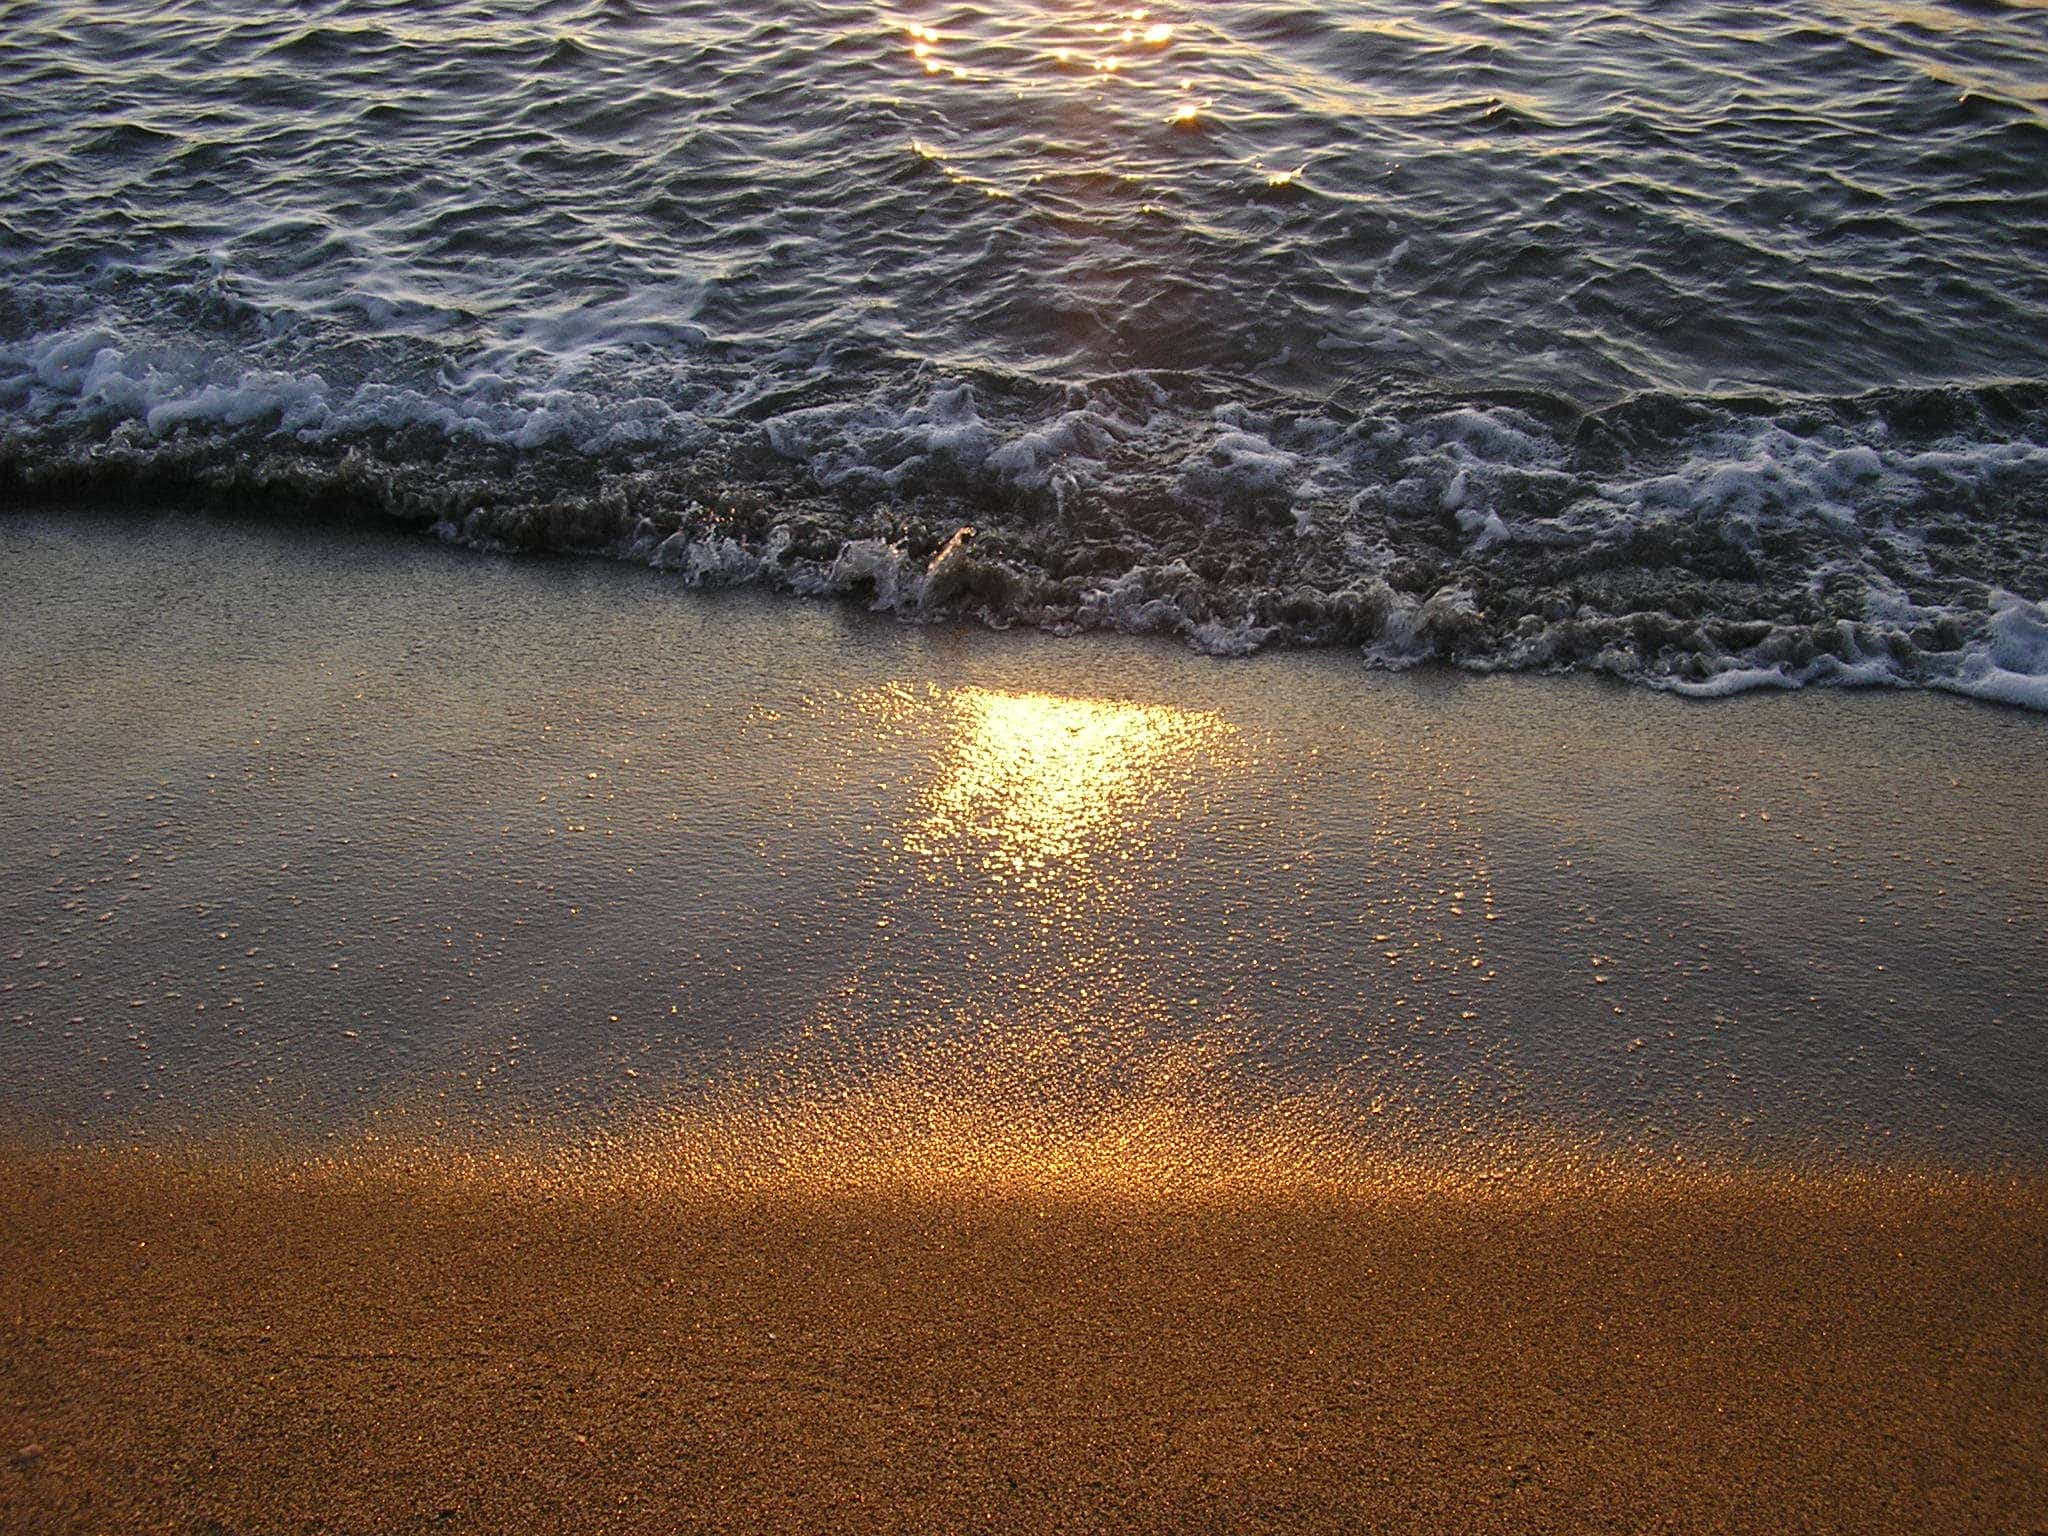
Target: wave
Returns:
[1702, 544]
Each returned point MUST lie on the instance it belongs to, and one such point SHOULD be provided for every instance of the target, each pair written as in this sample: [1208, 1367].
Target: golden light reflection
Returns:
[1016, 49]
[924, 45]
[1097, 77]
[1084, 960]
[1041, 788]
[1005, 1029]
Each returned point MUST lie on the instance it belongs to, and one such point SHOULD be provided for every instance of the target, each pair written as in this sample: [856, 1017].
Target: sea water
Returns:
[1701, 344]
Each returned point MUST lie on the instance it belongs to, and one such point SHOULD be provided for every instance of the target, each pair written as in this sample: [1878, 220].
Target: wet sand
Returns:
[221, 1350]
[304, 832]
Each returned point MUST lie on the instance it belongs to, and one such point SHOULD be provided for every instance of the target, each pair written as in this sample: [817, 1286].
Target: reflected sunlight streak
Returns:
[1041, 788]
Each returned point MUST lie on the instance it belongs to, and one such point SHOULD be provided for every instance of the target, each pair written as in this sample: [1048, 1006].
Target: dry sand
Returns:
[231, 1349]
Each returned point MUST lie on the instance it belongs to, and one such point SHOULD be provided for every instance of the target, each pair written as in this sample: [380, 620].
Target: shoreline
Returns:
[341, 1352]
[2014, 628]
[319, 836]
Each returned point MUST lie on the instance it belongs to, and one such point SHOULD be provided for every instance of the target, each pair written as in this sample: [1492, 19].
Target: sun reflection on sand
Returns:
[1009, 1020]
[1048, 790]
[1001, 1031]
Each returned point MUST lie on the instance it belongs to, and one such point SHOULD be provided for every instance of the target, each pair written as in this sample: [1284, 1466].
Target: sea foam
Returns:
[1701, 545]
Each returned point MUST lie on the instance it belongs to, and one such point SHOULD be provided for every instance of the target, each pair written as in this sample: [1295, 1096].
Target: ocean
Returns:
[1697, 344]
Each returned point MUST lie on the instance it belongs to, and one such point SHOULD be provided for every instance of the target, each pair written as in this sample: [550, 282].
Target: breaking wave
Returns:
[1704, 544]
[1704, 356]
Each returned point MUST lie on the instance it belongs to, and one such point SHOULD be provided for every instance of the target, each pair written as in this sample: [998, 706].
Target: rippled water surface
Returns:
[1701, 343]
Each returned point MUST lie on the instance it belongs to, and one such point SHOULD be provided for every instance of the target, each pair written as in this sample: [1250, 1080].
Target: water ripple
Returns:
[393, 235]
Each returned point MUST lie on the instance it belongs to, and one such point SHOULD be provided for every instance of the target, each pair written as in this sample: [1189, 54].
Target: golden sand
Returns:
[362, 1348]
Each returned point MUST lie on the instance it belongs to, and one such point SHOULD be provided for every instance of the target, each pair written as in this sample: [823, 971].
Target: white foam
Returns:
[2010, 666]
[89, 373]
[876, 562]
[1484, 527]
[1145, 600]
[1237, 464]
[1810, 512]
[1065, 454]
[874, 445]
[1239, 637]
[1734, 680]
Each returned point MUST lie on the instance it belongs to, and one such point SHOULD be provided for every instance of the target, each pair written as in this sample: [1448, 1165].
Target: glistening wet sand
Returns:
[354, 1351]
[314, 833]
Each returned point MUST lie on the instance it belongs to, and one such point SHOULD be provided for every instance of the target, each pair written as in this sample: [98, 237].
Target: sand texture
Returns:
[239, 1351]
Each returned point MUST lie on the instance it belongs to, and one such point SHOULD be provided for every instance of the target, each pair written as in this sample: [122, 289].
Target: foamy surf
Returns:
[1702, 545]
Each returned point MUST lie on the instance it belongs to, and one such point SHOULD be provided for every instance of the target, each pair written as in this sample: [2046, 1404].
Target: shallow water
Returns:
[316, 838]
[1684, 342]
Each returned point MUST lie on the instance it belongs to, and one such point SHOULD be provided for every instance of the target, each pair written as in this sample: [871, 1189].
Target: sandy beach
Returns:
[520, 1047]
[349, 1352]
[1220, 769]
